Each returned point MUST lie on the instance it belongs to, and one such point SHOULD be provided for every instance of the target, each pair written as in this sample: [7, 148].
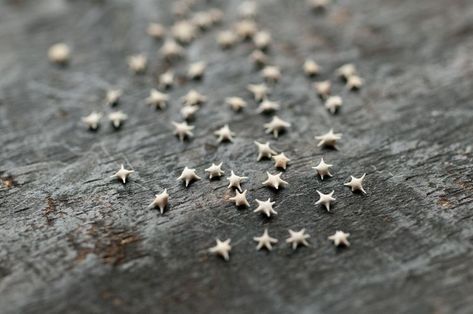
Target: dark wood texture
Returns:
[72, 240]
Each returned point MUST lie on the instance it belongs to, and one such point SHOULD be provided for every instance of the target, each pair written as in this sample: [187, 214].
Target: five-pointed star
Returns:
[196, 70]
[160, 201]
[183, 130]
[59, 53]
[92, 120]
[333, 103]
[240, 199]
[222, 248]
[155, 30]
[265, 240]
[157, 99]
[226, 39]
[323, 169]
[262, 39]
[267, 106]
[122, 174]
[276, 125]
[325, 199]
[193, 98]
[259, 58]
[246, 29]
[265, 207]
[215, 170]
[297, 237]
[275, 181]
[264, 151]
[188, 112]
[171, 49]
[112, 96]
[236, 103]
[271, 74]
[137, 63]
[280, 161]
[311, 68]
[235, 181]
[328, 139]
[117, 117]
[356, 184]
[323, 88]
[166, 80]
[224, 134]
[188, 175]
[354, 82]
[346, 70]
[259, 91]
[340, 237]
[184, 31]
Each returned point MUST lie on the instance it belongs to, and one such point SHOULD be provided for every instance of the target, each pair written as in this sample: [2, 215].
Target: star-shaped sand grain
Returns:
[356, 184]
[235, 181]
[188, 175]
[236, 103]
[92, 120]
[171, 50]
[328, 139]
[138, 63]
[323, 169]
[265, 241]
[193, 98]
[215, 171]
[113, 96]
[271, 74]
[222, 248]
[117, 118]
[297, 238]
[265, 207]
[240, 199]
[196, 70]
[311, 68]
[183, 130]
[280, 161]
[274, 181]
[264, 150]
[160, 201]
[325, 199]
[333, 103]
[259, 91]
[224, 134]
[157, 99]
[340, 238]
[122, 174]
[276, 126]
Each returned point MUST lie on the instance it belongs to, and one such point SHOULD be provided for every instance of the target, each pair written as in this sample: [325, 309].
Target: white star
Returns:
[236, 103]
[193, 98]
[157, 99]
[333, 103]
[297, 237]
[59, 53]
[222, 248]
[354, 82]
[246, 29]
[323, 88]
[202, 19]
[117, 117]
[311, 68]
[340, 237]
[247, 9]
[184, 31]
[276, 125]
[259, 91]
[328, 139]
[122, 174]
[240, 199]
[160, 201]
[196, 70]
[280, 161]
[137, 63]
[226, 39]
[323, 169]
[356, 184]
[235, 181]
[262, 39]
[183, 130]
[171, 49]
[224, 134]
[92, 120]
[271, 74]
[265, 241]
[113, 96]
[188, 175]
[215, 170]
[274, 181]
[216, 15]
[157, 31]
[264, 151]
[346, 70]
[325, 199]
[259, 58]
[267, 106]
[265, 207]
[188, 112]
[166, 80]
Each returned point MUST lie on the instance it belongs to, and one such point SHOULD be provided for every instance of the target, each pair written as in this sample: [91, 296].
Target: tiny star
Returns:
[340, 237]
[323, 88]
[259, 58]
[259, 91]
[280, 161]
[247, 9]
[181, 8]
[222, 248]
[276, 125]
[265, 207]
[215, 171]
[183, 130]
[137, 63]
[274, 181]
[122, 174]
[155, 30]
[264, 151]
[271, 74]
[235, 181]
[216, 15]
[333, 103]
[193, 98]
[113, 96]
[318, 5]
[354, 82]
[59, 53]
[157, 99]
[240, 199]
[203, 20]
[236, 103]
[323, 169]
[171, 49]
[117, 117]
[160, 201]
[297, 237]
[184, 31]
[224, 134]
[267, 106]
[356, 184]
[325, 199]
[328, 139]
[262, 39]
[227, 39]
[246, 29]
[166, 80]
[188, 112]
[265, 241]
[196, 70]
[311, 68]
[346, 70]
[92, 120]
[188, 175]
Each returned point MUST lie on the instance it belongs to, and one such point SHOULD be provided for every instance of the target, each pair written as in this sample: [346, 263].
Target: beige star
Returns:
[240, 199]
[246, 29]
[328, 139]
[311, 68]
[113, 96]
[280, 161]
[267, 106]
[247, 9]
[297, 237]
[215, 170]
[340, 237]
[216, 15]
[236, 103]
[188, 175]
[262, 39]
[188, 112]
[259, 58]
[323, 88]
[166, 80]
[235, 181]
[325, 199]
[265, 207]
[275, 181]
[276, 125]
[227, 39]
[184, 31]
[92, 120]
[264, 151]
[157, 99]
[196, 70]
[333, 103]
[265, 241]
[171, 49]
[181, 8]
[183, 130]
[224, 134]
[193, 98]
[222, 248]
[155, 30]
[122, 174]
[259, 91]
[271, 74]
[59, 53]
[117, 118]
[323, 169]
[203, 20]
[346, 70]
[354, 82]
[160, 201]
[138, 63]
[356, 184]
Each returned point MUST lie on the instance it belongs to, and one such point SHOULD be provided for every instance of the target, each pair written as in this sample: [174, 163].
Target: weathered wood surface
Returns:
[75, 241]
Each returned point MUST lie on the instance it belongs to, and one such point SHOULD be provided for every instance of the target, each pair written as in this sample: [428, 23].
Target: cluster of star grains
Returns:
[175, 40]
